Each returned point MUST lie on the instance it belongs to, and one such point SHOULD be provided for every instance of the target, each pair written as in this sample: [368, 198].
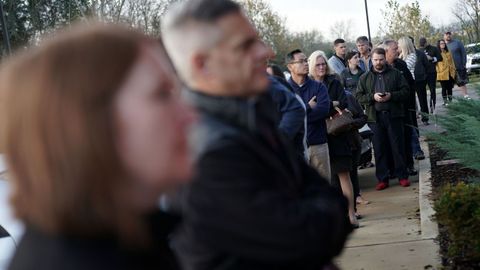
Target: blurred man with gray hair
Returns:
[253, 203]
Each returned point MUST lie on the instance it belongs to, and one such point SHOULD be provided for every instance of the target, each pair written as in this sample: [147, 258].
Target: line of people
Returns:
[113, 166]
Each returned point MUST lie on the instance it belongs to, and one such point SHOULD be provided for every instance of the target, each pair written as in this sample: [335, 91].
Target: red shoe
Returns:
[404, 182]
[382, 186]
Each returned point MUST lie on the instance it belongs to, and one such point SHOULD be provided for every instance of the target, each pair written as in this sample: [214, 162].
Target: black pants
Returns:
[408, 128]
[421, 89]
[432, 84]
[447, 87]
[389, 139]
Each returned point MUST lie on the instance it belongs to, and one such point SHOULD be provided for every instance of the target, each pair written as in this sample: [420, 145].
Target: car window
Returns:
[473, 48]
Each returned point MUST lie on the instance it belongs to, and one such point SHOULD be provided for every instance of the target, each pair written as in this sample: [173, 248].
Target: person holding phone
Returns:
[383, 91]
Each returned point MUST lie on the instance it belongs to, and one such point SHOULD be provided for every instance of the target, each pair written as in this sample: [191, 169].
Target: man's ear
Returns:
[288, 67]
[200, 64]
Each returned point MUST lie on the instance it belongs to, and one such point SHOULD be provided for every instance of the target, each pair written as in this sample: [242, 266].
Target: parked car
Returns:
[11, 229]
[473, 57]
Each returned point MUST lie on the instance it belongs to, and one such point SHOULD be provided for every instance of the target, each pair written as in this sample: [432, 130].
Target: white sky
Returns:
[304, 15]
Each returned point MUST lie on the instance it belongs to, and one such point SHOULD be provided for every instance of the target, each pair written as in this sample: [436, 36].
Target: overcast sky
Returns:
[321, 14]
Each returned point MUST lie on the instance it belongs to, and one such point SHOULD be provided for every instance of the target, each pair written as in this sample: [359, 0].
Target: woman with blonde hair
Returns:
[338, 145]
[94, 133]
[446, 72]
[407, 53]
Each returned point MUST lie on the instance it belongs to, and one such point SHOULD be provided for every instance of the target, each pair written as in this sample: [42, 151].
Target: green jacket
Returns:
[395, 83]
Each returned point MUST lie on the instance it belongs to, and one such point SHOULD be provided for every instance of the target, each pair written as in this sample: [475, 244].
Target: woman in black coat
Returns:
[92, 139]
[338, 145]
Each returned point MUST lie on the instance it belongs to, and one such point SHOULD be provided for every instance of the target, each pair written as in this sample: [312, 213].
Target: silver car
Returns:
[473, 57]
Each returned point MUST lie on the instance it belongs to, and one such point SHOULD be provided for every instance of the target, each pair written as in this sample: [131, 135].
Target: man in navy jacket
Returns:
[315, 97]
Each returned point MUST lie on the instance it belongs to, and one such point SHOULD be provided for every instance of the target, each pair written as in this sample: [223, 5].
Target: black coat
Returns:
[402, 67]
[38, 250]
[433, 52]
[338, 145]
[252, 204]
[421, 66]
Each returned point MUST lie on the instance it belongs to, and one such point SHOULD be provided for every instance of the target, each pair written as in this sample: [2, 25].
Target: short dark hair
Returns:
[276, 70]
[422, 41]
[362, 39]
[291, 55]
[350, 55]
[338, 41]
[208, 11]
[378, 51]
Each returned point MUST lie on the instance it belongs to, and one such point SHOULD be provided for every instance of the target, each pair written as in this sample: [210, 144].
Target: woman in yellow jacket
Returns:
[446, 72]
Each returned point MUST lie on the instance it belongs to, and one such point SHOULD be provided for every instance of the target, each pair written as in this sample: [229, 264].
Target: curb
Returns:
[428, 225]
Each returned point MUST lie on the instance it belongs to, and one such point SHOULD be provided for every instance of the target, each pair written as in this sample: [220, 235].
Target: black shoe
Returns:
[419, 156]
[412, 171]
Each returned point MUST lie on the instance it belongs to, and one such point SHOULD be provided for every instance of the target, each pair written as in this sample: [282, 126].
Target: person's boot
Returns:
[445, 101]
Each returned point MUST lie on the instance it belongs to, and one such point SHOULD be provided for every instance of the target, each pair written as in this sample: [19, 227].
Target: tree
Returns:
[309, 41]
[467, 13]
[28, 19]
[144, 15]
[270, 26]
[406, 20]
[342, 29]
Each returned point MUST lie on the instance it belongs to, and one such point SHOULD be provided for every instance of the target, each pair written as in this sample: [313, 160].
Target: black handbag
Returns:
[339, 123]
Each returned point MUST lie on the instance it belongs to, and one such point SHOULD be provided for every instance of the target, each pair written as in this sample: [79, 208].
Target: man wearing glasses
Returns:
[315, 97]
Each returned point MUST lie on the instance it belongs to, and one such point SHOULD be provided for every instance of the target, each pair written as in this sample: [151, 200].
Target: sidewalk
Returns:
[392, 235]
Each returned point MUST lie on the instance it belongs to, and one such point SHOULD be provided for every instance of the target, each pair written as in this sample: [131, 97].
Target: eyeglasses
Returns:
[321, 65]
[299, 61]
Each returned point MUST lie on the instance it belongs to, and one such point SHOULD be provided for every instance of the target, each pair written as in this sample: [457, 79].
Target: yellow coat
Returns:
[446, 67]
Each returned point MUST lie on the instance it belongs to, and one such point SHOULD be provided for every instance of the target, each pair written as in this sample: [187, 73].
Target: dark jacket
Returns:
[395, 84]
[337, 145]
[316, 127]
[434, 52]
[421, 66]
[39, 250]
[251, 204]
[290, 113]
[402, 67]
[350, 81]
[360, 119]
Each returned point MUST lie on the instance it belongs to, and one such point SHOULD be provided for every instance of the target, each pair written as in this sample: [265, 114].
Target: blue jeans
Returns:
[415, 142]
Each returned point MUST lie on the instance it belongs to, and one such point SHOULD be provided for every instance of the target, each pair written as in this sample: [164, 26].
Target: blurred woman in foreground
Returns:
[94, 133]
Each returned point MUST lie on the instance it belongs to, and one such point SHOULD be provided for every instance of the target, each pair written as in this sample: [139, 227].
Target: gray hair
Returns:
[189, 27]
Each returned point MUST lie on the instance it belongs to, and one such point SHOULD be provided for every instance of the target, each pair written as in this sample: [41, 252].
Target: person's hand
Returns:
[378, 97]
[335, 103]
[313, 102]
[382, 98]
